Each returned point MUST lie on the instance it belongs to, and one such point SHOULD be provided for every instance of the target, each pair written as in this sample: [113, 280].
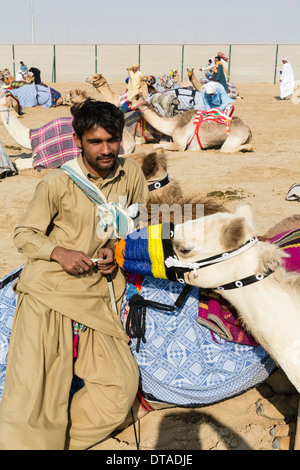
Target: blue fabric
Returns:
[220, 99]
[181, 362]
[8, 303]
[33, 95]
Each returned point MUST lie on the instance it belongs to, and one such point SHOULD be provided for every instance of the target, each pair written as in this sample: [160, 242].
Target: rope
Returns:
[136, 320]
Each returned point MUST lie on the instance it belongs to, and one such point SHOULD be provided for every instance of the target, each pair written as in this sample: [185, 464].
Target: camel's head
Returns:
[75, 96]
[209, 236]
[190, 72]
[96, 80]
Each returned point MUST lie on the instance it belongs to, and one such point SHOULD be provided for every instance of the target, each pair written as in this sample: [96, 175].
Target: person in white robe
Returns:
[134, 82]
[286, 79]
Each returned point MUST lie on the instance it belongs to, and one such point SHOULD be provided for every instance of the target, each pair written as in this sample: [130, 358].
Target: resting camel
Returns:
[21, 133]
[181, 128]
[262, 300]
[174, 73]
[194, 81]
[101, 86]
[75, 96]
[254, 282]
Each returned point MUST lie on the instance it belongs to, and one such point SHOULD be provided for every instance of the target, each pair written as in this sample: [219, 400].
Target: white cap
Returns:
[211, 88]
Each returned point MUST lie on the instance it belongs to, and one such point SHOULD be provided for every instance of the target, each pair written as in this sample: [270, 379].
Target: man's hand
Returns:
[107, 263]
[72, 261]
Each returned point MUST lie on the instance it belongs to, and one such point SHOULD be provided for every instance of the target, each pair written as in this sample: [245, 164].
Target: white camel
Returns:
[250, 276]
[182, 127]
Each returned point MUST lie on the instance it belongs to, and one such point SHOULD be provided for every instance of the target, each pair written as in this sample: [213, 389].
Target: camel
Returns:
[101, 86]
[224, 231]
[155, 168]
[75, 96]
[181, 128]
[174, 73]
[254, 281]
[10, 80]
[21, 133]
[194, 81]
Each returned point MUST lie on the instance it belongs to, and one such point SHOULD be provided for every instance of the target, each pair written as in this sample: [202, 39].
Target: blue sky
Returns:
[150, 22]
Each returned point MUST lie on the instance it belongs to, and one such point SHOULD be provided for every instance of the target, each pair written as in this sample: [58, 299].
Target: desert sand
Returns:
[261, 177]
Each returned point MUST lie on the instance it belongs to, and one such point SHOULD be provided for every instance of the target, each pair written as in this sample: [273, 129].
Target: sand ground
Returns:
[261, 177]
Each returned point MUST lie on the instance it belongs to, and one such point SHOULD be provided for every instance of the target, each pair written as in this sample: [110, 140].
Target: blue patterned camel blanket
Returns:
[34, 95]
[181, 362]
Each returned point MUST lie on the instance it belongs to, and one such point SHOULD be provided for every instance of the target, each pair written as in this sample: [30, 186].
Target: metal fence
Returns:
[248, 63]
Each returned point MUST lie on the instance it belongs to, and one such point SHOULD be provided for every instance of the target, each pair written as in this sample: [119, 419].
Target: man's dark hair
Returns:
[92, 113]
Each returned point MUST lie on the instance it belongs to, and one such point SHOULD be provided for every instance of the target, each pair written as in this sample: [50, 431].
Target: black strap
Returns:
[159, 184]
[136, 320]
[10, 278]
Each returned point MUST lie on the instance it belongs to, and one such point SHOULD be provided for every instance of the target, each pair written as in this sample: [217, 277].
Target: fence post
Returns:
[54, 66]
[13, 55]
[229, 59]
[96, 58]
[275, 71]
[139, 61]
[182, 60]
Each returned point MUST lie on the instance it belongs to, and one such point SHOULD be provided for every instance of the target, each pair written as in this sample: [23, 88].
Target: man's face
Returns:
[134, 69]
[100, 150]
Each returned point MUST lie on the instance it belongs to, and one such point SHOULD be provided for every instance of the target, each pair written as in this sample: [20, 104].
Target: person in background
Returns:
[36, 75]
[287, 81]
[134, 82]
[215, 96]
[23, 68]
[218, 74]
[69, 239]
[208, 68]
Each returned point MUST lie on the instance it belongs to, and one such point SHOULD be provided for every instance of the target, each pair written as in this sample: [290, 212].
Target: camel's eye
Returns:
[184, 251]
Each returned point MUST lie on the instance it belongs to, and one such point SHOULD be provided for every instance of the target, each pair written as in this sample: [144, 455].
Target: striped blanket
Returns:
[138, 127]
[53, 144]
[213, 115]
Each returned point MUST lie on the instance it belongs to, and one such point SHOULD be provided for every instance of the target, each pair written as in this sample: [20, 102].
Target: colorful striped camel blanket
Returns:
[138, 127]
[213, 115]
[53, 144]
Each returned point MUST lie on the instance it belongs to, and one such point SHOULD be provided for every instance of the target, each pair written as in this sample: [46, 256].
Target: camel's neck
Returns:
[108, 94]
[164, 125]
[196, 83]
[15, 128]
[272, 314]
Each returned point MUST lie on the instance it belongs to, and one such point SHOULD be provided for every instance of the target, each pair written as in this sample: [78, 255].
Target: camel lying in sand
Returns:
[211, 134]
[75, 96]
[21, 133]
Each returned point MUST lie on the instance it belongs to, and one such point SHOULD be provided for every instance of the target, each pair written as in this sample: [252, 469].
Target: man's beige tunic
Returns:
[84, 298]
[60, 214]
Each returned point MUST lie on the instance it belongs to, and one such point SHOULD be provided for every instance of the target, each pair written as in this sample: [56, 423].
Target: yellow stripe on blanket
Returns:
[156, 251]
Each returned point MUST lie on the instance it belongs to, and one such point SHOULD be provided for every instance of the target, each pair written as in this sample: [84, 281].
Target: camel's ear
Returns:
[245, 210]
[234, 234]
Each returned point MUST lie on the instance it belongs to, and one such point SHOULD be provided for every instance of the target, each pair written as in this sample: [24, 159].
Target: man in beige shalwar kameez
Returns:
[61, 283]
